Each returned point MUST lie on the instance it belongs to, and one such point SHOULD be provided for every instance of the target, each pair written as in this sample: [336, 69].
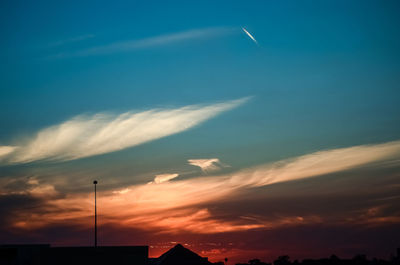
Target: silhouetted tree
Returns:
[282, 260]
[254, 262]
[333, 257]
[257, 262]
[360, 259]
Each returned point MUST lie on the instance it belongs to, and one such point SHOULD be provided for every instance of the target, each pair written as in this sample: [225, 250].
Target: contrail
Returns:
[251, 36]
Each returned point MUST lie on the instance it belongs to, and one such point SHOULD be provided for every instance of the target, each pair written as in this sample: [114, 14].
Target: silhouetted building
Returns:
[180, 255]
[46, 255]
[23, 254]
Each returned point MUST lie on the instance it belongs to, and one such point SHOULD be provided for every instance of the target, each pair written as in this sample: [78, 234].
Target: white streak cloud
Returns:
[318, 163]
[130, 45]
[206, 165]
[85, 136]
[71, 40]
[164, 178]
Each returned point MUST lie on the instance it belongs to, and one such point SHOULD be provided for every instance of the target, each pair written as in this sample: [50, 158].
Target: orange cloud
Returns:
[175, 206]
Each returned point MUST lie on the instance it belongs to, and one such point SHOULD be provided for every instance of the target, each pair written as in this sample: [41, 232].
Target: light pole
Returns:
[95, 215]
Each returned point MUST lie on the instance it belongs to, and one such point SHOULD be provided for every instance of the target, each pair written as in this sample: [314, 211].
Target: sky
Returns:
[241, 129]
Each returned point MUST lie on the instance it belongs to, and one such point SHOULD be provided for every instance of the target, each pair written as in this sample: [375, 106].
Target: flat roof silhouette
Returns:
[44, 254]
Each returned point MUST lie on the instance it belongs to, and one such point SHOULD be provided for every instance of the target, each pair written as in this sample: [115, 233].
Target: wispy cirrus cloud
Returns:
[85, 136]
[71, 40]
[6, 150]
[164, 178]
[206, 165]
[165, 39]
[29, 187]
[181, 204]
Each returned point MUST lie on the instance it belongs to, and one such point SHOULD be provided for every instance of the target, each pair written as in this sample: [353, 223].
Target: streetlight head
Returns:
[95, 182]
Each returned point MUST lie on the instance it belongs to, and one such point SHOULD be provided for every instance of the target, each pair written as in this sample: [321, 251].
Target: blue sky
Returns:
[324, 75]
[326, 71]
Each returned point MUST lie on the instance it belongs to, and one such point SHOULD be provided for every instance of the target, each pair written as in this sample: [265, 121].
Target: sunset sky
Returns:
[241, 129]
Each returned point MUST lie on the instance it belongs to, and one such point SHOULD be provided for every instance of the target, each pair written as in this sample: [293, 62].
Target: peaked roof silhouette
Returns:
[179, 255]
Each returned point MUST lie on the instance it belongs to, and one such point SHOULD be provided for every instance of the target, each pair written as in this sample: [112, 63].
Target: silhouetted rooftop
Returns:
[179, 255]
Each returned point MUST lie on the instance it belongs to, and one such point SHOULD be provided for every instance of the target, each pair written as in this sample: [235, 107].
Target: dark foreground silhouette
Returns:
[46, 255]
[179, 255]
[138, 255]
[333, 260]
